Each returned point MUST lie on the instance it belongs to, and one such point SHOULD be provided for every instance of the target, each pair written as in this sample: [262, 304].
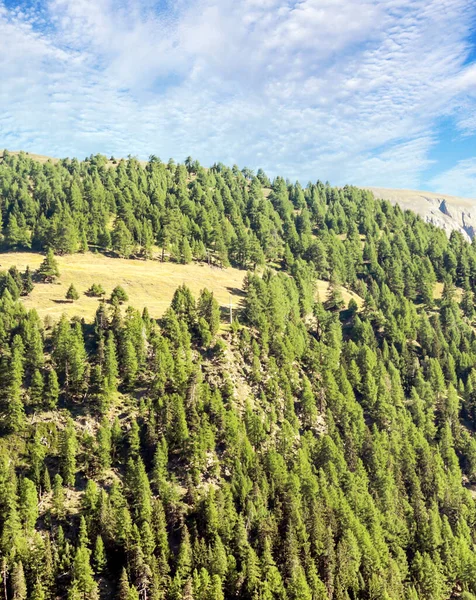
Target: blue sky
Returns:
[369, 92]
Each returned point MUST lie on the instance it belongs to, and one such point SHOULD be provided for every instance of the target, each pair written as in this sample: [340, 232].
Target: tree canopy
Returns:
[315, 448]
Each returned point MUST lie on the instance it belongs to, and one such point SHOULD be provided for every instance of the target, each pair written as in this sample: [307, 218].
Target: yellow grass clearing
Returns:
[44, 159]
[323, 288]
[147, 283]
[438, 292]
[38, 157]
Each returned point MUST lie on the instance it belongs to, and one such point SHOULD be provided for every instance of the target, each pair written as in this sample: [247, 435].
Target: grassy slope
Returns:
[147, 283]
[44, 159]
[323, 287]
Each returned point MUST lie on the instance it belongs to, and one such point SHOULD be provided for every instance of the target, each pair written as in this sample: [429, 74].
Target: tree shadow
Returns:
[236, 291]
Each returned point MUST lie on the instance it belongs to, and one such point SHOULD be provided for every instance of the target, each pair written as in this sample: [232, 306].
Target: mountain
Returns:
[448, 212]
[316, 442]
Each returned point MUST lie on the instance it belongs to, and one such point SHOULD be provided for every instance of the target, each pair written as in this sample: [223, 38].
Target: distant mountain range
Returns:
[448, 212]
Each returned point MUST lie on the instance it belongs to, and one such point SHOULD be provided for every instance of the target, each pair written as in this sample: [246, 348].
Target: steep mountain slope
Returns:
[317, 448]
[448, 212]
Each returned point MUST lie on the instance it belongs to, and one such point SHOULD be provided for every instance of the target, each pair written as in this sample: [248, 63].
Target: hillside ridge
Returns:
[443, 210]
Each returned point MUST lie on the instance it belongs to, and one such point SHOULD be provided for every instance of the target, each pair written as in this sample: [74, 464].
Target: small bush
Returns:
[96, 290]
[72, 293]
[119, 295]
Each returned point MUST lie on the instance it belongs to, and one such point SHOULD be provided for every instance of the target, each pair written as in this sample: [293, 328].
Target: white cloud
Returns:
[345, 90]
[460, 180]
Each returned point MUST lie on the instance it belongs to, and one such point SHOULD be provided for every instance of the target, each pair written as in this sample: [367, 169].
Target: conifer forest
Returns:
[314, 448]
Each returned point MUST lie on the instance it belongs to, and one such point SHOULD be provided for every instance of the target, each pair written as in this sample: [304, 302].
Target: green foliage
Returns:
[309, 451]
[48, 270]
[72, 293]
[96, 290]
[118, 295]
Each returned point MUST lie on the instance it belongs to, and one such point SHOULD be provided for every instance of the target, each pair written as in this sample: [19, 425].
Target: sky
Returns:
[365, 92]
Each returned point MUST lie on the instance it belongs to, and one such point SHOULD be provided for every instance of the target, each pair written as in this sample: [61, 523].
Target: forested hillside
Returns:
[311, 449]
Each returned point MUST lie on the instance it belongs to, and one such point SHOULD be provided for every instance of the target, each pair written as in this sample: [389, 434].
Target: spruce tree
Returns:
[58, 496]
[28, 504]
[27, 282]
[52, 389]
[15, 415]
[36, 388]
[83, 585]
[19, 589]
[48, 270]
[124, 587]
[72, 293]
[69, 448]
[38, 592]
[99, 557]
[118, 295]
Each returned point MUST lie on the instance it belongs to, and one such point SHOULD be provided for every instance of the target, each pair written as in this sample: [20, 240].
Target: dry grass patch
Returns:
[323, 289]
[147, 283]
[438, 292]
[38, 157]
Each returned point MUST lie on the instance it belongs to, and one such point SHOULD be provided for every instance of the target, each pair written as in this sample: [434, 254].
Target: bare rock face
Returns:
[448, 212]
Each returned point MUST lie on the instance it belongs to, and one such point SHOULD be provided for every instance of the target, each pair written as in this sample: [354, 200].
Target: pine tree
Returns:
[36, 388]
[298, 588]
[83, 537]
[58, 496]
[52, 390]
[37, 452]
[28, 285]
[99, 557]
[15, 417]
[19, 589]
[76, 360]
[124, 587]
[96, 290]
[12, 540]
[185, 251]
[118, 295]
[209, 309]
[111, 371]
[467, 303]
[66, 235]
[72, 294]
[204, 333]
[216, 589]
[48, 270]
[83, 242]
[69, 448]
[121, 239]
[104, 239]
[13, 236]
[83, 585]
[28, 504]
[38, 592]
[46, 482]
[129, 363]
[104, 445]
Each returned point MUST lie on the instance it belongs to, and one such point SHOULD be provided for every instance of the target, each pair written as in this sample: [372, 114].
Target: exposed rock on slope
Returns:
[448, 212]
